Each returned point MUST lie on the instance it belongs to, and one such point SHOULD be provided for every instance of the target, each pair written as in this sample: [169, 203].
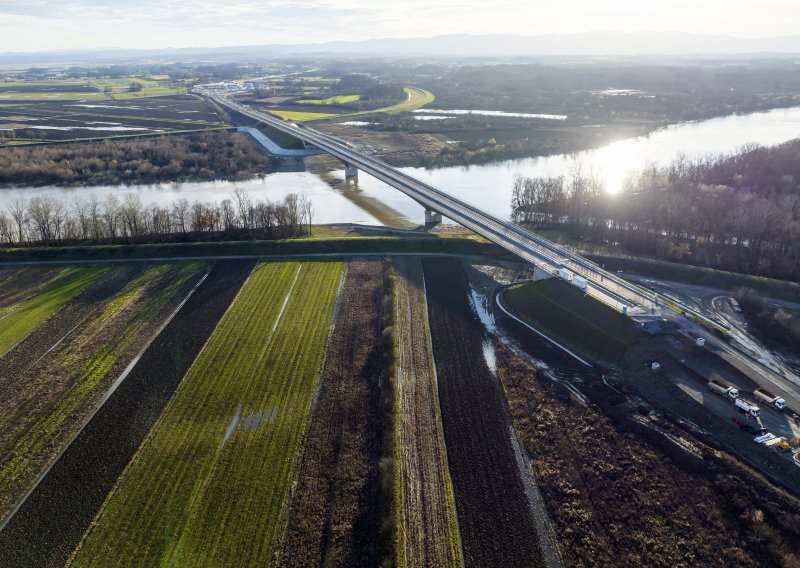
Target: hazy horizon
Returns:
[50, 25]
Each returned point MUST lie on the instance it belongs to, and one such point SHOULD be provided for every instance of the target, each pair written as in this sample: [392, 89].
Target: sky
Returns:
[54, 25]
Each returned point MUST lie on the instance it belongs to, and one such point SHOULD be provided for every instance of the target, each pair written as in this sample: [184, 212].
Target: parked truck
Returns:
[723, 389]
[565, 274]
[765, 396]
[579, 282]
[747, 407]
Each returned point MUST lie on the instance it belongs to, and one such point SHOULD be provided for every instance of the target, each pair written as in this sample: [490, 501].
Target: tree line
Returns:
[45, 220]
[739, 211]
[203, 156]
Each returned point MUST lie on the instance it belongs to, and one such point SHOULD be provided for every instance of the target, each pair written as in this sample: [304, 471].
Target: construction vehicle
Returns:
[723, 389]
[747, 407]
[765, 396]
[776, 443]
[780, 443]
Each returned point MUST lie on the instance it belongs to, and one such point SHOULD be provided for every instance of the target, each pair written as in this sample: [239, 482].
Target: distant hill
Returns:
[581, 44]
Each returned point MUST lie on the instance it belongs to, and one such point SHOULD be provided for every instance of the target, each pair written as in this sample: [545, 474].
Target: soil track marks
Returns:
[50, 523]
[16, 284]
[335, 515]
[53, 380]
[28, 390]
[77, 310]
[427, 527]
[496, 523]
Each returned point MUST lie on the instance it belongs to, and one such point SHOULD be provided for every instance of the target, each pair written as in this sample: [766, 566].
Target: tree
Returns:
[180, 212]
[306, 210]
[18, 211]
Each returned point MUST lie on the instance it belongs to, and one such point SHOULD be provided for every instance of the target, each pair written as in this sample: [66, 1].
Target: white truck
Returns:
[747, 407]
[565, 274]
[723, 389]
[765, 396]
[579, 282]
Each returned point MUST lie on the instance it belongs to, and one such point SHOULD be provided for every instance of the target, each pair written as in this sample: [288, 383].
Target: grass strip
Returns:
[345, 245]
[28, 314]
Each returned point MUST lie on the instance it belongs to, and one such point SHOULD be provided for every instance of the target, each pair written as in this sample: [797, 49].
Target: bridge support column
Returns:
[432, 217]
[350, 172]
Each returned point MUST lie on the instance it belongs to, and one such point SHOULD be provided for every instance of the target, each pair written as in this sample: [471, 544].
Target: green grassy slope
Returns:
[566, 313]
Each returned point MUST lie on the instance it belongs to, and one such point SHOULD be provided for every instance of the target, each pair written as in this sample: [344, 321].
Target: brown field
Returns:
[494, 516]
[53, 379]
[337, 514]
[622, 492]
[427, 531]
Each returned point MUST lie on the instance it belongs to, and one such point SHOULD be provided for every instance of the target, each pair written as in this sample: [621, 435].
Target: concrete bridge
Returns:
[545, 254]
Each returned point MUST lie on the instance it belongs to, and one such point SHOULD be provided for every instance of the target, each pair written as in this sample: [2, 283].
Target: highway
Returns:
[525, 244]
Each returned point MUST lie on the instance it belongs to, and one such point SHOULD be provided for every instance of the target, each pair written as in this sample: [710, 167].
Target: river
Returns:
[488, 185]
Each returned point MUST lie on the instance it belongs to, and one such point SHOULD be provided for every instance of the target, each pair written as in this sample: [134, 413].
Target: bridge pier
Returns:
[432, 217]
[350, 172]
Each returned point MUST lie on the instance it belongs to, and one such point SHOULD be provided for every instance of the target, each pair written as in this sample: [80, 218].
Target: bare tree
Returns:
[245, 207]
[40, 210]
[306, 210]
[18, 209]
[180, 212]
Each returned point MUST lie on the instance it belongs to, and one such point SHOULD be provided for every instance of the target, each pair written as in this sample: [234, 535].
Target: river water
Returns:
[488, 186]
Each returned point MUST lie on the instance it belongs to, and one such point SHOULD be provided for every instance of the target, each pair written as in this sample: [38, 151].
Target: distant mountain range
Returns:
[551, 45]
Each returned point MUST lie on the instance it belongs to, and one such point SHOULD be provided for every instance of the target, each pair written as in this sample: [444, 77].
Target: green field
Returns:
[51, 96]
[28, 314]
[119, 87]
[150, 92]
[416, 98]
[565, 313]
[335, 100]
[209, 486]
[300, 116]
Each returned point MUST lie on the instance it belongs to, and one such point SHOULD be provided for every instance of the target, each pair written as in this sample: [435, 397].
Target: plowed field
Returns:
[496, 523]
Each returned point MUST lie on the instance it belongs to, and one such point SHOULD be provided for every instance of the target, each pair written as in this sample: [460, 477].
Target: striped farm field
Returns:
[210, 484]
[26, 315]
[51, 381]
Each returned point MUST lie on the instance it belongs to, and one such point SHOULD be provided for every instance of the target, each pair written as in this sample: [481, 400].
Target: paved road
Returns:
[745, 352]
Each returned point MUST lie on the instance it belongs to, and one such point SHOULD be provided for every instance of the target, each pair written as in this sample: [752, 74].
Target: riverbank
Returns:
[478, 143]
